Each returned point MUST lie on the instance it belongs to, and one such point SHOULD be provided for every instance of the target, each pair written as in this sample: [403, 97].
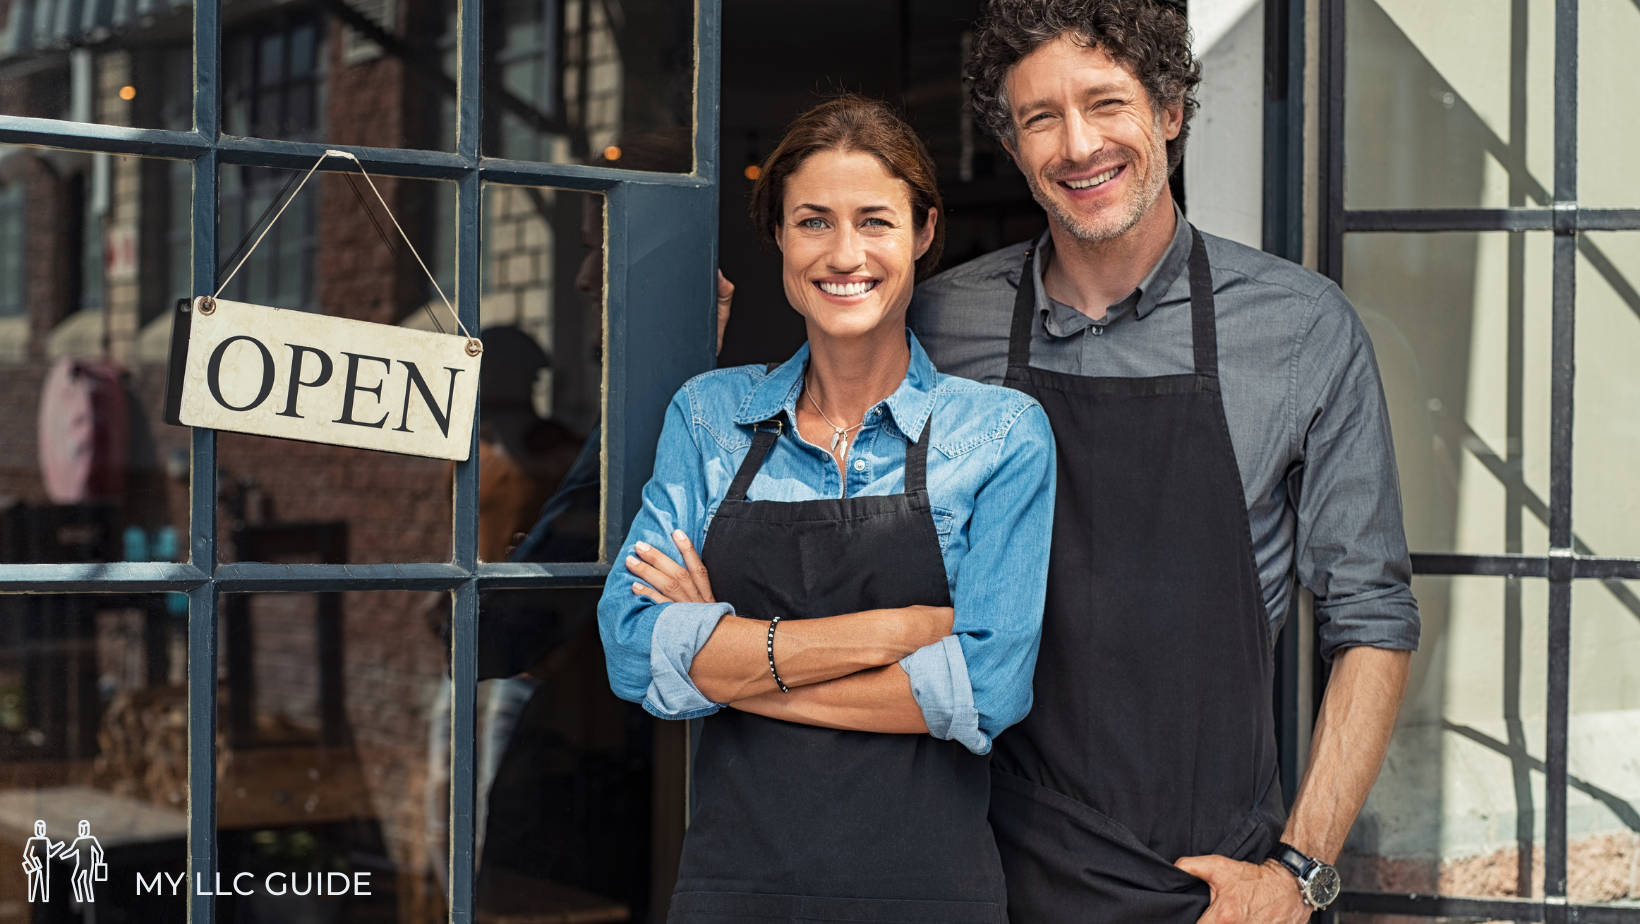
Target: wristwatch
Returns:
[1318, 882]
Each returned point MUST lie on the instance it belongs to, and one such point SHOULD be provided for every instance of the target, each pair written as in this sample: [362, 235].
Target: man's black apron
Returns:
[793, 823]
[1151, 736]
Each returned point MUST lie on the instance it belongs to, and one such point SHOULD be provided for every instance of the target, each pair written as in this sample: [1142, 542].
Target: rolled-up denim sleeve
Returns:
[976, 682]
[649, 646]
[1351, 544]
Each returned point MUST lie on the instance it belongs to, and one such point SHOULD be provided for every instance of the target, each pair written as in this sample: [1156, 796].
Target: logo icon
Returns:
[89, 868]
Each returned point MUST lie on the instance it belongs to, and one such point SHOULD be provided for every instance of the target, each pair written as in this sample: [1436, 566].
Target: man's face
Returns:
[1090, 144]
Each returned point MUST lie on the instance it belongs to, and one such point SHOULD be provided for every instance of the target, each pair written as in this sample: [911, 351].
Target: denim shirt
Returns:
[990, 483]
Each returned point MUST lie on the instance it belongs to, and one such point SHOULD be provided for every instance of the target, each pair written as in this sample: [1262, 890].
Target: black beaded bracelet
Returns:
[777, 681]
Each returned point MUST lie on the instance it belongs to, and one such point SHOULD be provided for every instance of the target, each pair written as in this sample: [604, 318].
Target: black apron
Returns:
[1151, 736]
[793, 823]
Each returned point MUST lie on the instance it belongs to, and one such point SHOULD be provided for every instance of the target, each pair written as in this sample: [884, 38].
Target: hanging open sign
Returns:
[295, 374]
[276, 372]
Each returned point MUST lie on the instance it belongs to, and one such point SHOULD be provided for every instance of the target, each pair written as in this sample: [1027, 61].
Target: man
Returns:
[1221, 428]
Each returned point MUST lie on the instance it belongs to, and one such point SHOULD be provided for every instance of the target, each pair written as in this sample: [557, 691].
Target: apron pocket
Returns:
[1065, 861]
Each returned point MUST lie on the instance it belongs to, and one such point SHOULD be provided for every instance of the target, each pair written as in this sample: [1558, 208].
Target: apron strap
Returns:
[916, 461]
[1203, 327]
[767, 432]
[1019, 335]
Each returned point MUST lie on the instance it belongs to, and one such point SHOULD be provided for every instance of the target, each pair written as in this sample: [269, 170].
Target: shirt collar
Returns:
[1064, 320]
[909, 405]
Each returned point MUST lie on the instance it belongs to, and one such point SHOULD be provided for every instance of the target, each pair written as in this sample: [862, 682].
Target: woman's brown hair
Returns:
[852, 123]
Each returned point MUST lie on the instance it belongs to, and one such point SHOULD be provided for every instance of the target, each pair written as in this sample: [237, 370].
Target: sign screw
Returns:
[475, 346]
[205, 304]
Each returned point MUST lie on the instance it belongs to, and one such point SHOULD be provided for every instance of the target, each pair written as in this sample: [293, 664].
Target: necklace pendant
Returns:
[836, 437]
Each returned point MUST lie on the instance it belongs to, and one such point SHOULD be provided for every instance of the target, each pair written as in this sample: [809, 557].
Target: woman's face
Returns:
[849, 245]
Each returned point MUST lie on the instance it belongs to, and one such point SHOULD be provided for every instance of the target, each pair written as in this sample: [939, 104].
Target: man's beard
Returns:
[1127, 213]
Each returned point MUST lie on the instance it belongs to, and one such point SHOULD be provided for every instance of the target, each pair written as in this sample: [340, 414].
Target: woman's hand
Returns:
[665, 581]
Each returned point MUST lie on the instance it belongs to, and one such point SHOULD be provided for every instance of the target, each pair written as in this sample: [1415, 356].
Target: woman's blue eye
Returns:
[813, 224]
[882, 222]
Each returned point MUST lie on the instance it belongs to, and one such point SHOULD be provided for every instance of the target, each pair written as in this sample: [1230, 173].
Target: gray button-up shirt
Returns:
[1301, 395]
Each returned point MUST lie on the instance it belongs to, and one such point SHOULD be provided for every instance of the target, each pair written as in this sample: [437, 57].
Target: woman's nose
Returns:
[846, 250]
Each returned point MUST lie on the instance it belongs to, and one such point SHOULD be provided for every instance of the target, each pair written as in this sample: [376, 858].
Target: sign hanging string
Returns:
[332, 152]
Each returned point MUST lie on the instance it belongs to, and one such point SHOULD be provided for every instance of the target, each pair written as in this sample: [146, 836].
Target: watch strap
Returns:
[1296, 861]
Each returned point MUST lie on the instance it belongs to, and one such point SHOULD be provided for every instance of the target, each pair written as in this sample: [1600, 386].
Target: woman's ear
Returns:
[925, 234]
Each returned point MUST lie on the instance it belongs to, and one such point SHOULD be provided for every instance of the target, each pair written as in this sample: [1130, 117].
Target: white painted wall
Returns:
[1224, 159]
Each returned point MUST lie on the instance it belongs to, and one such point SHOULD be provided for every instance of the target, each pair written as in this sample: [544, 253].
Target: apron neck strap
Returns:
[916, 460]
[1019, 334]
[1203, 327]
[767, 432]
[1203, 330]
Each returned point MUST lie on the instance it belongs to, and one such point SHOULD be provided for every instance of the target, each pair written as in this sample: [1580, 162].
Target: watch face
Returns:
[1323, 886]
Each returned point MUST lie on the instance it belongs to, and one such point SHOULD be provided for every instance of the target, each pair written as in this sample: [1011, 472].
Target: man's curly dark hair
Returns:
[1152, 37]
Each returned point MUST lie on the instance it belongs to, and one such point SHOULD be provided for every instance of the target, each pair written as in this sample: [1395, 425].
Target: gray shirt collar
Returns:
[1062, 320]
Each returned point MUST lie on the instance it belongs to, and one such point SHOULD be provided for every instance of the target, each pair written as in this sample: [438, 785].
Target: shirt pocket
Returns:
[945, 523]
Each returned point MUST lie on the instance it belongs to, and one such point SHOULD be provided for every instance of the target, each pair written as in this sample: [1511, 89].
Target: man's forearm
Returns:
[875, 700]
[734, 662]
[1351, 736]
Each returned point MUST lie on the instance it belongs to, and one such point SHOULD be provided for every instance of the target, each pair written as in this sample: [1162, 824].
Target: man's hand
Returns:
[1247, 893]
[725, 298]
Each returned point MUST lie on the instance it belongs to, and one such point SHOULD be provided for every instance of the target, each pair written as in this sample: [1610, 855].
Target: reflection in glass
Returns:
[539, 442]
[1606, 501]
[379, 73]
[333, 251]
[1603, 802]
[93, 731]
[580, 795]
[1448, 105]
[571, 81]
[1459, 806]
[1460, 326]
[94, 251]
[323, 757]
[109, 63]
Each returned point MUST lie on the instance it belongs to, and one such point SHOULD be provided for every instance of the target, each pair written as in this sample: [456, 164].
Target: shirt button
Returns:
[859, 465]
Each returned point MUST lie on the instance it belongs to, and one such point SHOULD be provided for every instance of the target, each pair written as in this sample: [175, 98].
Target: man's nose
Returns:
[1082, 138]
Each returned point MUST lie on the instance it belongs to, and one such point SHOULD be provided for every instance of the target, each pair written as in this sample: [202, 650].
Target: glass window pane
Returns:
[1459, 806]
[1608, 31]
[108, 63]
[333, 252]
[539, 441]
[94, 731]
[1603, 804]
[365, 72]
[323, 764]
[94, 253]
[1606, 499]
[580, 795]
[1461, 327]
[581, 81]
[1448, 104]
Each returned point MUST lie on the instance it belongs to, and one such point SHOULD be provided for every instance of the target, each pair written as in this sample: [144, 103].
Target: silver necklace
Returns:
[837, 433]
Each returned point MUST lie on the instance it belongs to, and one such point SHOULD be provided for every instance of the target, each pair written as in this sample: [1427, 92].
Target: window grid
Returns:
[1565, 561]
[675, 253]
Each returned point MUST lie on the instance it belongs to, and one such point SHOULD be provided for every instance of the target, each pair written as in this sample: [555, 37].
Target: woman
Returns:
[867, 602]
